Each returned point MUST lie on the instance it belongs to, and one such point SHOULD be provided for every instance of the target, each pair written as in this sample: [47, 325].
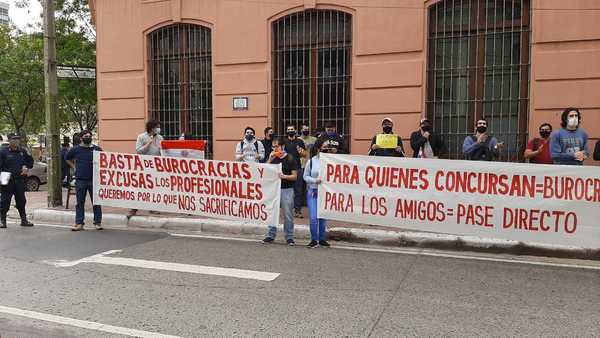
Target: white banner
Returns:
[525, 202]
[228, 190]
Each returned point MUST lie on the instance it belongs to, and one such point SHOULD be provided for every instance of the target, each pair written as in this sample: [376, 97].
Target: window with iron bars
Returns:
[478, 67]
[311, 55]
[180, 81]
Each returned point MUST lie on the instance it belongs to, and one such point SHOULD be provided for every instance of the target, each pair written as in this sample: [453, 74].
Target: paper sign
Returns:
[387, 141]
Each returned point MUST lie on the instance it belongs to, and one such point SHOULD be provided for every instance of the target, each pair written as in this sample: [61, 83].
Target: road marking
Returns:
[177, 267]
[82, 323]
[421, 252]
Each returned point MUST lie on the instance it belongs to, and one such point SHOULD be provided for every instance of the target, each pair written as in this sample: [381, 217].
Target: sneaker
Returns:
[98, 226]
[26, 223]
[291, 242]
[324, 243]
[3, 224]
[312, 244]
[267, 240]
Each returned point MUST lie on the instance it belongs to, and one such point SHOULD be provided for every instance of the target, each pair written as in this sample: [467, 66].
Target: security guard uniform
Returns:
[14, 159]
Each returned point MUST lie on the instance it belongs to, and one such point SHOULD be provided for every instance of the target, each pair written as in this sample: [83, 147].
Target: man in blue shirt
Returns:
[16, 161]
[481, 146]
[81, 157]
[569, 145]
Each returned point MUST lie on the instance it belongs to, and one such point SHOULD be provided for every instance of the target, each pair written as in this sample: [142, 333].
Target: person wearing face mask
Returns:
[81, 157]
[569, 145]
[338, 145]
[297, 149]
[309, 142]
[249, 149]
[426, 144]
[148, 143]
[267, 142]
[538, 148]
[15, 161]
[318, 226]
[288, 175]
[481, 146]
[387, 125]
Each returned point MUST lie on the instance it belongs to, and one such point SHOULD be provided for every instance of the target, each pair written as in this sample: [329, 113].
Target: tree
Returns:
[21, 80]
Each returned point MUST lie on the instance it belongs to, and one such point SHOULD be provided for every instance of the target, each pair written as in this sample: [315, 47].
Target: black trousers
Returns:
[15, 187]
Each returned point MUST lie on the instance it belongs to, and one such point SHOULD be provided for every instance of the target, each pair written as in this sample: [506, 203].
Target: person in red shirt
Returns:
[538, 149]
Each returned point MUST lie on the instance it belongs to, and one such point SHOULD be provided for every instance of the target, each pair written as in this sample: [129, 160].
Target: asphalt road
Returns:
[318, 292]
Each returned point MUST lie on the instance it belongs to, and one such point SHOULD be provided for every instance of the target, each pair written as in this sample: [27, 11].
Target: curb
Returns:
[365, 236]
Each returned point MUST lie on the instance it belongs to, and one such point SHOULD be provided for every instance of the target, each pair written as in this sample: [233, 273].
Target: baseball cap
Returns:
[388, 119]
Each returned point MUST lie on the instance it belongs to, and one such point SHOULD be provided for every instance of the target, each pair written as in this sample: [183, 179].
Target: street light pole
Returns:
[51, 90]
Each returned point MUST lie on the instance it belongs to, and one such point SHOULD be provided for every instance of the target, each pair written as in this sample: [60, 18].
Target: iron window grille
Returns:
[180, 81]
[478, 67]
[311, 54]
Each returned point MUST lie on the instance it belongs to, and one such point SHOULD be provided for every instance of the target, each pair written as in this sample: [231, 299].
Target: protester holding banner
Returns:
[538, 148]
[249, 149]
[148, 143]
[335, 140]
[569, 145]
[81, 157]
[387, 143]
[318, 226]
[296, 147]
[426, 144]
[267, 143]
[288, 175]
[481, 146]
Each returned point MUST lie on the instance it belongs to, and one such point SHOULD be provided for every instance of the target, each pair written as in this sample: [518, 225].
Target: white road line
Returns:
[167, 266]
[420, 252]
[82, 323]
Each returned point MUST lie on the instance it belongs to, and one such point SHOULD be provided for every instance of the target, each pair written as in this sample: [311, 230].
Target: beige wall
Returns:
[388, 72]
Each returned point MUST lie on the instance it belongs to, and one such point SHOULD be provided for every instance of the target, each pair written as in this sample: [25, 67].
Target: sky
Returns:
[21, 17]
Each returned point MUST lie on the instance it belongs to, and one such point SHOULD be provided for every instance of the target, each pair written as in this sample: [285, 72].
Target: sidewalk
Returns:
[337, 231]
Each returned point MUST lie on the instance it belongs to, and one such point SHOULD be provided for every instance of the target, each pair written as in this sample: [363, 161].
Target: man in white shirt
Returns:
[249, 149]
[148, 143]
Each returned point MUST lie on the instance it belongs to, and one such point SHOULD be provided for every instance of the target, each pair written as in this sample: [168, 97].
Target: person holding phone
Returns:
[482, 146]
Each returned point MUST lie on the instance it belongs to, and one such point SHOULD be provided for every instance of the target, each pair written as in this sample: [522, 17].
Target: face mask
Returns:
[545, 133]
[291, 133]
[278, 153]
[573, 121]
[387, 129]
[426, 129]
[481, 130]
[249, 137]
[87, 140]
[157, 130]
[306, 132]
[270, 136]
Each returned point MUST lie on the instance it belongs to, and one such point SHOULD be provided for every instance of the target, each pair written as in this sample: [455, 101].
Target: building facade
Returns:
[4, 18]
[213, 67]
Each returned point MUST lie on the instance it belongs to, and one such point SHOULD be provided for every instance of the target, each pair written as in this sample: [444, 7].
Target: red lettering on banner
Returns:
[342, 173]
[420, 210]
[393, 177]
[261, 171]
[568, 188]
[339, 202]
[374, 206]
[474, 215]
[536, 220]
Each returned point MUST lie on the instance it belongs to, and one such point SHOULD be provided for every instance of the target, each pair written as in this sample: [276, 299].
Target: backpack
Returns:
[483, 153]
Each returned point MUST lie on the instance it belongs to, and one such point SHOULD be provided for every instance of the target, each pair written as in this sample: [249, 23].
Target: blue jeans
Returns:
[318, 226]
[287, 204]
[83, 187]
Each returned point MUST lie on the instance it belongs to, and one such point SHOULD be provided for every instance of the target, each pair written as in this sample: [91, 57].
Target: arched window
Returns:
[478, 67]
[180, 81]
[311, 55]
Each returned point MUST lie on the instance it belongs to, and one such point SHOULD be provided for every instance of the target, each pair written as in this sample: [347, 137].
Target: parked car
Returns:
[38, 175]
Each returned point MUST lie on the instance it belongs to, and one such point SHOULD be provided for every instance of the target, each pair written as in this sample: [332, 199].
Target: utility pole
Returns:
[51, 89]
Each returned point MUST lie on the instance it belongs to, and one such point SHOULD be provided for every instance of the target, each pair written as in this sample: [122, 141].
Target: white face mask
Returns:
[157, 130]
[573, 122]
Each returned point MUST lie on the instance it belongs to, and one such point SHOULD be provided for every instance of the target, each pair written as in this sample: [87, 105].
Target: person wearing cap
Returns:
[16, 161]
[426, 144]
[388, 129]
